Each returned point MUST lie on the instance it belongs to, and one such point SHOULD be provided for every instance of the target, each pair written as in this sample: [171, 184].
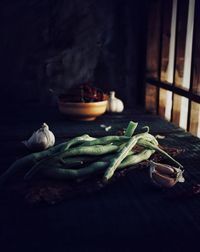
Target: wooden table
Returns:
[128, 215]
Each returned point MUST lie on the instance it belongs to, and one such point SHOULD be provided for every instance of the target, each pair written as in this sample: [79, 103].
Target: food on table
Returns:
[115, 105]
[85, 156]
[41, 139]
[164, 175]
[83, 93]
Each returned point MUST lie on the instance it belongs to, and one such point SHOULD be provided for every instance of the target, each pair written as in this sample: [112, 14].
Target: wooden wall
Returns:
[58, 44]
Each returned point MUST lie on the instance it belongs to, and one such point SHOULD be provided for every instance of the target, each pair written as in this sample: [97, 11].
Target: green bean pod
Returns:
[115, 162]
[71, 162]
[131, 129]
[72, 152]
[30, 160]
[106, 140]
[95, 168]
[149, 145]
[95, 150]
[78, 140]
[59, 173]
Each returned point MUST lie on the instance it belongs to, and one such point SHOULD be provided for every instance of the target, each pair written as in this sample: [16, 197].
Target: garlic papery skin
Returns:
[115, 105]
[41, 139]
[164, 175]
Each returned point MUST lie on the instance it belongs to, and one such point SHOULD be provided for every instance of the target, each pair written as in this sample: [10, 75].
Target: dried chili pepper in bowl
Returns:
[84, 93]
[83, 102]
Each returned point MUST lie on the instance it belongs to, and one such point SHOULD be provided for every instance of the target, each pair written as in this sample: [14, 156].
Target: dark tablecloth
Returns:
[128, 215]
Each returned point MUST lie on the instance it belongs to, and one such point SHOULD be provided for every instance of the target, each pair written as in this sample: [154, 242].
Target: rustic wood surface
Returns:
[128, 215]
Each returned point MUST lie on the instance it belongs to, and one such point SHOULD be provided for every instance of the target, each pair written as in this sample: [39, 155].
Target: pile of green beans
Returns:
[84, 156]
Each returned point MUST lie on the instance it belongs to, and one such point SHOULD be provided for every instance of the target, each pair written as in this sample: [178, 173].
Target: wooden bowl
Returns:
[86, 111]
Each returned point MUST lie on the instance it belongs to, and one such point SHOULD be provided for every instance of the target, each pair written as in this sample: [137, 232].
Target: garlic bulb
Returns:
[115, 105]
[41, 139]
[165, 175]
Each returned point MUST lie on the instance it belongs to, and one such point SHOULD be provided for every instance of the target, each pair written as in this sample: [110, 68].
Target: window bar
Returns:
[191, 73]
[194, 97]
[172, 58]
[187, 63]
[173, 43]
[160, 55]
[186, 91]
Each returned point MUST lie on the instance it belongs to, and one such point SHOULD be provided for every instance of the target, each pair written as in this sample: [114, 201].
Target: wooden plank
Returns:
[181, 40]
[166, 38]
[196, 51]
[153, 38]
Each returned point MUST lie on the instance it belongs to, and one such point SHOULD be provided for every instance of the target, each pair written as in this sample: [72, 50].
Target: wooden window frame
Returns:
[158, 83]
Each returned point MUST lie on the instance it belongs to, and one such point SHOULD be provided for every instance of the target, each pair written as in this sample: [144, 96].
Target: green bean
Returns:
[136, 158]
[81, 150]
[106, 140]
[78, 140]
[150, 138]
[147, 128]
[30, 160]
[60, 173]
[68, 159]
[111, 156]
[131, 128]
[55, 149]
[90, 150]
[62, 149]
[149, 145]
[96, 167]
[23, 163]
[83, 159]
[41, 164]
[19, 164]
[115, 162]
[88, 159]
[70, 162]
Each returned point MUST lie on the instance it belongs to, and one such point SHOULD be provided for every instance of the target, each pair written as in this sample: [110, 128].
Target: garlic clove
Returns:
[163, 180]
[164, 175]
[164, 168]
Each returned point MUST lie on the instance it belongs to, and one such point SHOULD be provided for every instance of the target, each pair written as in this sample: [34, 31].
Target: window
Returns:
[173, 62]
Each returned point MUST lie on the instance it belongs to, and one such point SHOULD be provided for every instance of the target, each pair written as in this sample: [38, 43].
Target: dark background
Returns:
[57, 44]
[60, 43]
